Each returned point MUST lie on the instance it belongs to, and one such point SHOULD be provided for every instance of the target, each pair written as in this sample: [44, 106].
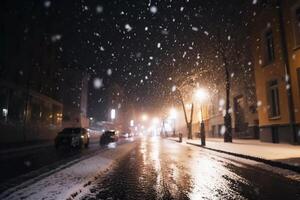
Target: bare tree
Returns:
[184, 90]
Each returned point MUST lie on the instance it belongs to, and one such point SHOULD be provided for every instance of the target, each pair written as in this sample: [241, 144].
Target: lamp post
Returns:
[201, 95]
[173, 115]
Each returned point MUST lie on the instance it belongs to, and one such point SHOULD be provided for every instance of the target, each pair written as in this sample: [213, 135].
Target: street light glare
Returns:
[201, 94]
[173, 113]
[131, 123]
[113, 114]
[144, 117]
[155, 120]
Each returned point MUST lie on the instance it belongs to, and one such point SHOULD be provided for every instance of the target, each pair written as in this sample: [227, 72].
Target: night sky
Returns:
[139, 45]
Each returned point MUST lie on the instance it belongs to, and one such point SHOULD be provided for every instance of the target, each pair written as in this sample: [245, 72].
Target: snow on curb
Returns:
[67, 182]
[257, 159]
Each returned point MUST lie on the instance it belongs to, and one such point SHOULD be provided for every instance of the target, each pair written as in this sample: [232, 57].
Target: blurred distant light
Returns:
[4, 112]
[201, 94]
[188, 106]
[144, 117]
[113, 114]
[173, 113]
[131, 123]
[155, 120]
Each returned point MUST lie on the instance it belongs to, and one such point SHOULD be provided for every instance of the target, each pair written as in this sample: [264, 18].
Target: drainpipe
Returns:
[291, 108]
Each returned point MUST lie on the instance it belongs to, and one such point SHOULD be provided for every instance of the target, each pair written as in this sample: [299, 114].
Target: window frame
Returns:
[273, 99]
[269, 47]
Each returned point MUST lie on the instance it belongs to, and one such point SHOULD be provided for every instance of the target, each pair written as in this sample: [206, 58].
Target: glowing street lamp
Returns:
[113, 114]
[131, 123]
[144, 117]
[201, 96]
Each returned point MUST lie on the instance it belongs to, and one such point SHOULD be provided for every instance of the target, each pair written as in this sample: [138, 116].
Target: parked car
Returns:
[73, 137]
[108, 137]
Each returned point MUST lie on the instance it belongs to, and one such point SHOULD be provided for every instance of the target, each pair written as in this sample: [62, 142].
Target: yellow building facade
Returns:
[275, 37]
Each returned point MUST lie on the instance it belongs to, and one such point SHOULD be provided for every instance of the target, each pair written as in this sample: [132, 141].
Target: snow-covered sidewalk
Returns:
[281, 153]
[70, 180]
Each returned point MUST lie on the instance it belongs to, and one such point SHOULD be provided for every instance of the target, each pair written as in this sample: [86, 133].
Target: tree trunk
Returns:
[190, 130]
[188, 123]
[227, 117]
[190, 135]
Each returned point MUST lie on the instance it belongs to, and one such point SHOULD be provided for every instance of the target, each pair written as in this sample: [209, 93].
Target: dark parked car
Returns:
[73, 137]
[108, 137]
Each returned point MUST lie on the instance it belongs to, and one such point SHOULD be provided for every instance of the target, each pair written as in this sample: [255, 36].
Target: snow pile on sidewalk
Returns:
[61, 184]
[284, 153]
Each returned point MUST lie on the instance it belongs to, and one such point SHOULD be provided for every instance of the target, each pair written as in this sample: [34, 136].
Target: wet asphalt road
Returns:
[163, 169]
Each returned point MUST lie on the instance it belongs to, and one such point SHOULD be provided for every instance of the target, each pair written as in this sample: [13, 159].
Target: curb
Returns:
[257, 159]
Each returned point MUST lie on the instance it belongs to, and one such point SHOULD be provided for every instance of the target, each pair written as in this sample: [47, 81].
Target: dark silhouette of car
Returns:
[108, 137]
[73, 137]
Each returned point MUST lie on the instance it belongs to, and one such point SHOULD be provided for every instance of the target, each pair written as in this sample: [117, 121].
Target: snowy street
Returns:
[163, 169]
[156, 168]
[58, 168]
[150, 100]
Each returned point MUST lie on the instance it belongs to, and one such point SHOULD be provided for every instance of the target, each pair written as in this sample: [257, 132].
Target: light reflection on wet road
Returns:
[162, 169]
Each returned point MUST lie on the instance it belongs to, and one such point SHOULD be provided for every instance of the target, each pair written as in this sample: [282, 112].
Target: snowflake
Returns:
[99, 9]
[173, 88]
[195, 28]
[153, 9]
[98, 83]
[109, 72]
[55, 38]
[128, 27]
[47, 4]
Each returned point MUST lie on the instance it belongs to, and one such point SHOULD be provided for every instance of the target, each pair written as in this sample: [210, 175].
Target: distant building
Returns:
[276, 50]
[74, 95]
[30, 107]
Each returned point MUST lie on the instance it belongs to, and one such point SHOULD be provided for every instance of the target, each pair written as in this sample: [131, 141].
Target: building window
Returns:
[269, 42]
[273, 99]
[297, 26]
